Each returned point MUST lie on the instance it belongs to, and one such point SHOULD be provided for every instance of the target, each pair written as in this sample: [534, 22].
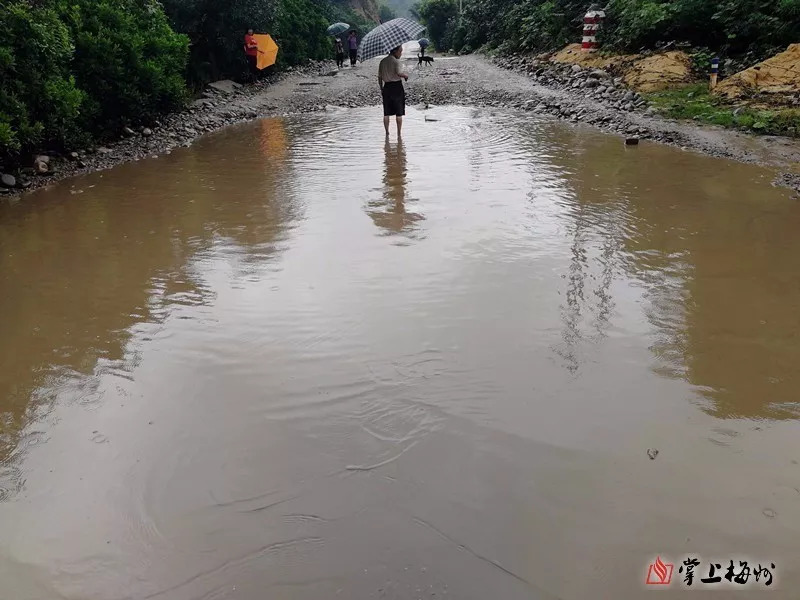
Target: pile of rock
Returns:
[597, 84]
[42, 165]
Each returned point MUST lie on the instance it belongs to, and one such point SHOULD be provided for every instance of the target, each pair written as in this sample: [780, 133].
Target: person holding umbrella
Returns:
[336, 30]
[251, 53]
[392, 34]
[390, 80]
[352, 43]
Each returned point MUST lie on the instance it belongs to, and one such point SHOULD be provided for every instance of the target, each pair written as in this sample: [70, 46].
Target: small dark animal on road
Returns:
[426, 59]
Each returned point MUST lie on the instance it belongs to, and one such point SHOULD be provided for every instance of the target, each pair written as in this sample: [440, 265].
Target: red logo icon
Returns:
[659, 573]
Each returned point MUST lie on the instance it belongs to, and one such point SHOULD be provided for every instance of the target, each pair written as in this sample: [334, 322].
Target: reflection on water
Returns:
[392, 211]
[218, 372]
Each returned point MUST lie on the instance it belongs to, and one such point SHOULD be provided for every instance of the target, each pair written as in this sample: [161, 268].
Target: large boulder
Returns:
[776, 78]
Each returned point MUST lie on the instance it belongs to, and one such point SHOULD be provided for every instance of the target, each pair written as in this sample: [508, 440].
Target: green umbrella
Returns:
[338, 28]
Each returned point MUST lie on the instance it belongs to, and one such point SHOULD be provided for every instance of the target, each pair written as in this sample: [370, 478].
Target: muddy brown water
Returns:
[295, 361]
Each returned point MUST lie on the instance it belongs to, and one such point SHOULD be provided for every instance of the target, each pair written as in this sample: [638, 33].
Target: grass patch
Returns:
[695, 103]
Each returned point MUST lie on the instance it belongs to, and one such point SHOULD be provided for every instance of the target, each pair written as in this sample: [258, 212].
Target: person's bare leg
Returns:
[386, 125]
[399, 127]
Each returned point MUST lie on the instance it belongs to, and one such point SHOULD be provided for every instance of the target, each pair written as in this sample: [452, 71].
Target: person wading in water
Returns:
[390, 80]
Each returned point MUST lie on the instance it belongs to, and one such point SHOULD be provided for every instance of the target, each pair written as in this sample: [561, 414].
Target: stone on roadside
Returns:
[629, 96]
[73, 156]
[8, 181]
[592, 83]
[43, 158]
[128, 131]
[576, 69]
[104, 150]
[147, 132]
[225, 86]
[41, 167]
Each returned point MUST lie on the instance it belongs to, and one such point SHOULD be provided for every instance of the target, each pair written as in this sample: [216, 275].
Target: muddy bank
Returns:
[583, 96]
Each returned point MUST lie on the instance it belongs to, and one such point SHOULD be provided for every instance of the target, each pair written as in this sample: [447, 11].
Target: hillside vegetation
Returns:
[77, 71]
[729, 27]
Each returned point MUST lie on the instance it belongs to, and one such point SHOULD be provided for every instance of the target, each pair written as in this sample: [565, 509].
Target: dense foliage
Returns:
[386, 13]
[441, 18]
[127, 60]
[72, 69]
[39, 101]
[300, 31]
[731, 27]
[216, 30]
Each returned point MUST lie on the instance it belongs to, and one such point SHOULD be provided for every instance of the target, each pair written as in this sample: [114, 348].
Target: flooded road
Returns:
[295, 361]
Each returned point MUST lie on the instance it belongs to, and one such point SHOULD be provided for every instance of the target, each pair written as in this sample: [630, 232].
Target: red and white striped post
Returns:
[591, 24]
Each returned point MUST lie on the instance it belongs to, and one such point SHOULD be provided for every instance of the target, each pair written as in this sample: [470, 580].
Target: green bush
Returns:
[128, 60]
[39, 101]
[300, 32]
[74, 69]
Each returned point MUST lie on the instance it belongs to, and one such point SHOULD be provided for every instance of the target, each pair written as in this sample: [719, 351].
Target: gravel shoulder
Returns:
[469, 80]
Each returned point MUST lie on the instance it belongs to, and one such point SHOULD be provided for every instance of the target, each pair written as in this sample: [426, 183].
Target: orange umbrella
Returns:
[267, 50]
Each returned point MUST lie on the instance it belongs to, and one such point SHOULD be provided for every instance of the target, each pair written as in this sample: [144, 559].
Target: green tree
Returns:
[301, 33]
[386, 13]
[439, 16]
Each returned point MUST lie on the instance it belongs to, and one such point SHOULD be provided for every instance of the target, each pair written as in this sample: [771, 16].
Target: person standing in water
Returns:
[390, 80]
[352, 44]
[339, 53]
[251, 53]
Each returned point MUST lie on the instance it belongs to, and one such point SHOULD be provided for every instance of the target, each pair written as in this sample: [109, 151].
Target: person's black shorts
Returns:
[394, 99]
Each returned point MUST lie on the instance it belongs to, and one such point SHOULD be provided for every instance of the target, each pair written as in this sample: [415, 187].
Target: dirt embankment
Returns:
[775, 81]
[639, 72]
